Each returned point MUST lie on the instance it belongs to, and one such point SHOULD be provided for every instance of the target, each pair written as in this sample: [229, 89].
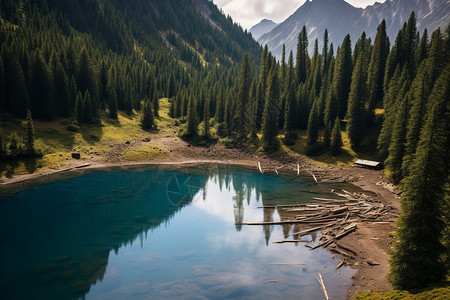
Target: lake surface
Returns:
[162, 233]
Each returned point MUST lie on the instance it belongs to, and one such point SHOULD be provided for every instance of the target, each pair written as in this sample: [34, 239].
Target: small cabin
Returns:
[369, 164]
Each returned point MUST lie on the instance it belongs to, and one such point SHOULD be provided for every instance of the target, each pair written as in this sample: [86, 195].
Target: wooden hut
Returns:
[376, 165]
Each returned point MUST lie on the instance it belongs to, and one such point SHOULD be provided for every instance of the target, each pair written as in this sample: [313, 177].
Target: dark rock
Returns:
[76, 155]
[127, 142]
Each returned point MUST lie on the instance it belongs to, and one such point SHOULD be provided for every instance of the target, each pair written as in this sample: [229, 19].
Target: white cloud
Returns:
[250, 12]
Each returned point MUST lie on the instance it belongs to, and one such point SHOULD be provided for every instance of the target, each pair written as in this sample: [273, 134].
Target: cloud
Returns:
[250, 12]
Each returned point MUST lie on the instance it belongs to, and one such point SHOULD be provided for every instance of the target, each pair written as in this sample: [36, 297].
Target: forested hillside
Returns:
[113, 54]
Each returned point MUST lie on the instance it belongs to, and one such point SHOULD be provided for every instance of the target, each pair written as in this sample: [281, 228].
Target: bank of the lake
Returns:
[371, 241]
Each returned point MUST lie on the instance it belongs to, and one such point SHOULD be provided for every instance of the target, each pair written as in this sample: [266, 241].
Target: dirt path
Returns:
[371, 242]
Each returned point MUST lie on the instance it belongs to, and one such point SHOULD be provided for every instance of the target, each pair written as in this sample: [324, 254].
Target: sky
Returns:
[250, 12]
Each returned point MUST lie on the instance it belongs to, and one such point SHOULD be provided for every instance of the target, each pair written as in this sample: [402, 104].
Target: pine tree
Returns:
[397, 144]
[270, 115]
[291, 101]
[87, 108]
[171, 87]
[336, 138]
[377, 68]
[155, 103]
[16, 94]
[313, 125]
[148, 118]
[206, 117]
[79, 108]
[30, 134]
[326, 59]
[302, 56]
[343, 76]
[192, 119]
[327, 136]
[61, 97]
[355, 114]
[40, 88]
[417, 258]
[241, 119]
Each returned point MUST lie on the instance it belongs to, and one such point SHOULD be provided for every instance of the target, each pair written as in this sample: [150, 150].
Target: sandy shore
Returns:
[371, 242]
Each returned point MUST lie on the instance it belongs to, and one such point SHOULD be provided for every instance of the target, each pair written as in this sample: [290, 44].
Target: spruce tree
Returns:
[61, 96]
[87, 108]
[30, 134]
[206, 117]
[377, 68]
[355, 114]
[290, 118]
[148, 118]
[79, 108]
[417, 258]
[155, 103]
[336, 138]
[397, 144]
[270, 115]
[313, 125]
[302, 56]
[343, 76]
[241, 119]
[326, 59]
[40, 88]
[327, 136]
[192, 119]
[16, 93]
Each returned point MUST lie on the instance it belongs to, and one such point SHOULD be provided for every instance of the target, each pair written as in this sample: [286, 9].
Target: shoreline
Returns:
[371, 241]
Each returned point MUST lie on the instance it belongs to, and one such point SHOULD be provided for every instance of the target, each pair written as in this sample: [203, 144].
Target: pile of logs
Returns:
[334, 218]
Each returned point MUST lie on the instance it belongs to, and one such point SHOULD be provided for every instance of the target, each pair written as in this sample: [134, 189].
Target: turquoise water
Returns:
[161, 233]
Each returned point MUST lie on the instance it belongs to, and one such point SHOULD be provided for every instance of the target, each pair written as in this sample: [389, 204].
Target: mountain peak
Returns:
[262, 27]
[341, 18]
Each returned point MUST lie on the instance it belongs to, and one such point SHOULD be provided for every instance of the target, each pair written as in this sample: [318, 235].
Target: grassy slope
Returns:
[53, 139]
[436, 293]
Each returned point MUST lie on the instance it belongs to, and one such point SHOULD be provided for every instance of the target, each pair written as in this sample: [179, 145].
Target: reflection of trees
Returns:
[65, 233]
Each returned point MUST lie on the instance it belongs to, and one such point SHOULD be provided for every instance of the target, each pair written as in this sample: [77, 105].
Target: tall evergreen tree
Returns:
[355, 114]
[148, 118]
[417, 258]
[16, 94]
[313, 125]
[343, 76]
[336, 138]
[326, 59]
[79, 108]
[40, 88]
[192, 119]
[206, 117]
[30, 134]
[87, 107]
[270, 115]
[302, 56]
[377, 68]
[397, 144]
[241, 119]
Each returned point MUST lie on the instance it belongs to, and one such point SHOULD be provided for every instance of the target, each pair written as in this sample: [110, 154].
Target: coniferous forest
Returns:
[76, 59]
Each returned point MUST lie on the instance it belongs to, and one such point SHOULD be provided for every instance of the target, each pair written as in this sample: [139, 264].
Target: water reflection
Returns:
[101, 236]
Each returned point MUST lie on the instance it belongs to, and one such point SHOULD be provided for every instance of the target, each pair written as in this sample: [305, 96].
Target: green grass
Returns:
[143, 153]
[346, 158]
[56, 142]
[441, 292]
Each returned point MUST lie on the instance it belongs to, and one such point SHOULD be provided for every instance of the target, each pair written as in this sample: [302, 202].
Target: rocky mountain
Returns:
[262, 27]
[341, 18]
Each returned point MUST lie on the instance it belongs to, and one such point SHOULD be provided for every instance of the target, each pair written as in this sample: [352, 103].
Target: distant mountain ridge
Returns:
[262, 27]
[341, 18]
